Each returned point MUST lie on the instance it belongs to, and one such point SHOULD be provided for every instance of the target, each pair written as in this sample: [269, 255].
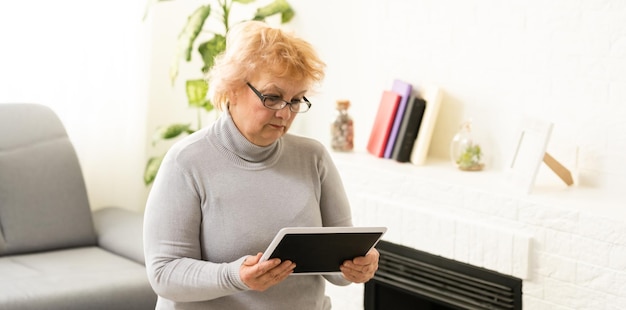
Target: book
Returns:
[409, 129]
[383, 122]
[404, 89]
[432, 95]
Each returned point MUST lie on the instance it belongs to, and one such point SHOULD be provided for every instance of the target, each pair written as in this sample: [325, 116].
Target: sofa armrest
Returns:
[120, 231]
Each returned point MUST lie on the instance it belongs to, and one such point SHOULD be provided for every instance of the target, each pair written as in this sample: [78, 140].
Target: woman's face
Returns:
[260, 125]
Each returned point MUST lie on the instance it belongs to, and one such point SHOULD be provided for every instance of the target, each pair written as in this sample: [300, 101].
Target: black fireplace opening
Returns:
[408, 278]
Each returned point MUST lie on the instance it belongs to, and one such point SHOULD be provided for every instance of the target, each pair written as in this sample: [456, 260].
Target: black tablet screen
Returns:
[323, 252]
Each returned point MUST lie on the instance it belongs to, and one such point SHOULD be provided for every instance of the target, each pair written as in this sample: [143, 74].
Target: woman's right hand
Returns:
[260, 276]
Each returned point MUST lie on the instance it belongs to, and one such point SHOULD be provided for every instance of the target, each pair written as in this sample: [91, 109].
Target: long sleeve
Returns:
[172, 226]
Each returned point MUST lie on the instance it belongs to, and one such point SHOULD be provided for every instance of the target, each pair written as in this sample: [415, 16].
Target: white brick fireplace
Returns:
[567, 244]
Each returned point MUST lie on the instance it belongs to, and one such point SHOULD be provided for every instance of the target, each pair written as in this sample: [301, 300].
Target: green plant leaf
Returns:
[196, 94]
[170, 132]
[207, 105]
[276, 7]
[196, 91]
[470, 157]
[210, 49]
[188, 36]
[152, 167]
[190, 32]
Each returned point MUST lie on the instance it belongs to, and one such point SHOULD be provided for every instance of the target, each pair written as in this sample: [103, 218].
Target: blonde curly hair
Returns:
[253, 47]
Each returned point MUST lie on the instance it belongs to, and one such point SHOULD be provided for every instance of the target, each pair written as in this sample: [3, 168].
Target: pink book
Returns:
[383, 123]
[404, 89]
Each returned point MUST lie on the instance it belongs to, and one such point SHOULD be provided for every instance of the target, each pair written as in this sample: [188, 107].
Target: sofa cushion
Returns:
[43, 199]
[120, 231]
[80, 278]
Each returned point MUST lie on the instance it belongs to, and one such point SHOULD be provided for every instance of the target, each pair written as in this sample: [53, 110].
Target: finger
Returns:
[256, 269]
[352, 272]
[263, 275]
[265, 267]
[365, 260]
[277, 274]
[357, 277]
[352, 276]
[358, 267]
[252, 260]
[373, 253]
[284, 269]
[359, 274]
[287, 271]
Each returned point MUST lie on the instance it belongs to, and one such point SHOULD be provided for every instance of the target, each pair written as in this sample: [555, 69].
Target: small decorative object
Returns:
[530, 152]
[466, 153]
[342, 129]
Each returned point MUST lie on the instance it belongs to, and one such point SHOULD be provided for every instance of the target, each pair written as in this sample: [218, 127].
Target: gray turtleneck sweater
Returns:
[218, 198]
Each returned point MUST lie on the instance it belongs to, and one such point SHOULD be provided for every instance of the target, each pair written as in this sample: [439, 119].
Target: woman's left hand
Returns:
[361, 269]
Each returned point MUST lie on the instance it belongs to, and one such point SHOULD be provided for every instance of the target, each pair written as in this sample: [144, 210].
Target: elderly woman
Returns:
[223, 192]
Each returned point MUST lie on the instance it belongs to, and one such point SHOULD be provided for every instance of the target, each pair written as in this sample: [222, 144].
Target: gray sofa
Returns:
[55, 253]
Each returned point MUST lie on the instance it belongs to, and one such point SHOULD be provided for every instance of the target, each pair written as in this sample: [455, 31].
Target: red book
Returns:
[383, 123]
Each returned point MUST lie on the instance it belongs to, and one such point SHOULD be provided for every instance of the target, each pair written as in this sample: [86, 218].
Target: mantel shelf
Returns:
[548, 189]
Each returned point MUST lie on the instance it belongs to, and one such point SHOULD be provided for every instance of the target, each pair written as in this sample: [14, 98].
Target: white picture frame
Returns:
[530, 149]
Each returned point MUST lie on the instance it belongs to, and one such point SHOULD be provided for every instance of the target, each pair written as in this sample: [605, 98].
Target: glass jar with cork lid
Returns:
[342, 128]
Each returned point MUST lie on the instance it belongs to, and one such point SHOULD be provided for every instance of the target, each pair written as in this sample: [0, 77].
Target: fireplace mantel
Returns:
[438, 209]
[548, 189]
[560, 240]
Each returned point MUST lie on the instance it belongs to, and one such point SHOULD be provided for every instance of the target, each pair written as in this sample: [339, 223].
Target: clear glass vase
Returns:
[465, 152]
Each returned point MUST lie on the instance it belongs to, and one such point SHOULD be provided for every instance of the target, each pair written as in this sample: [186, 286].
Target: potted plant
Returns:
[196, 88]
[470, 158]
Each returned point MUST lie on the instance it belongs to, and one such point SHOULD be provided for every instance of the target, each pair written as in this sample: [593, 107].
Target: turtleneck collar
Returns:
[235, 143]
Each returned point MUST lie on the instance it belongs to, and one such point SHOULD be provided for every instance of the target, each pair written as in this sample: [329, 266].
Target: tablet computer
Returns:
[321, 250]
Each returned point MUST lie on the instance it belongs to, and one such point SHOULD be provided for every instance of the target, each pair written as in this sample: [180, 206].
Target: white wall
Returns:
[562, 61]
[84, 60]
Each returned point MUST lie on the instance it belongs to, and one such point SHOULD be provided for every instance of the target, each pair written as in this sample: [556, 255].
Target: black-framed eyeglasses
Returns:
[277, 103]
